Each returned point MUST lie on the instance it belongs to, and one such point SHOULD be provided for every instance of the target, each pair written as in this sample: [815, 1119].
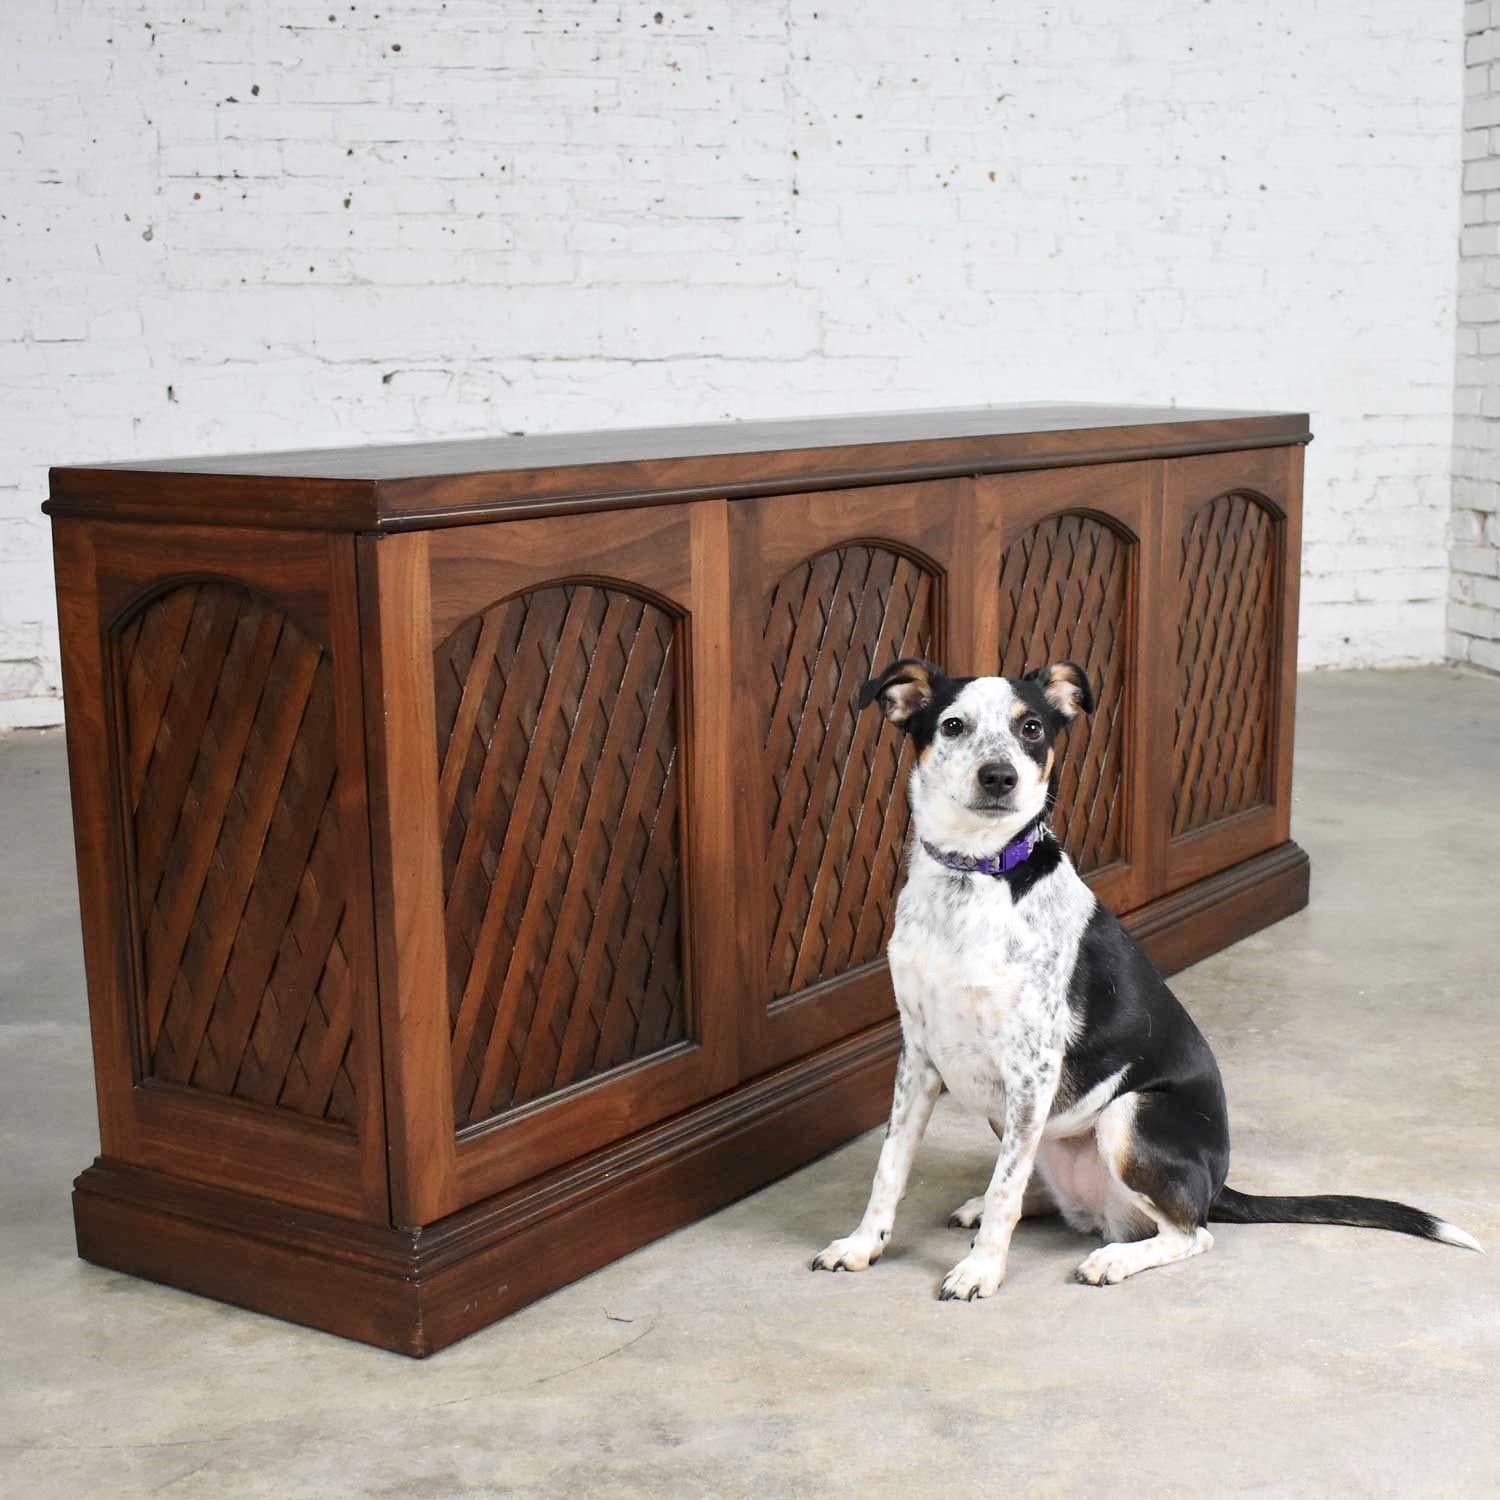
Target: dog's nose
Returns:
[997, 778]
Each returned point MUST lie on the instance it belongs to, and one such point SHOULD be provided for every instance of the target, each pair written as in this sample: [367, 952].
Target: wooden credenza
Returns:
[484, 868]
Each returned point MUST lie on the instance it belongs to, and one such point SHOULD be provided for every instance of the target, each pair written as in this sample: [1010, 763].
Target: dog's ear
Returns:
[1065, 685]
[905, 688]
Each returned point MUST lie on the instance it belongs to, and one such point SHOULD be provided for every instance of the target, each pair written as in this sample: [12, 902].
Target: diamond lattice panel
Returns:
[1225, 658]
[1063, 596]
[836, 778]
[558, 801]
[228, 739]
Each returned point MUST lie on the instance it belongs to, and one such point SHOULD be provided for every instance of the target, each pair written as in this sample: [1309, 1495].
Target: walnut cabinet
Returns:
[484, 868]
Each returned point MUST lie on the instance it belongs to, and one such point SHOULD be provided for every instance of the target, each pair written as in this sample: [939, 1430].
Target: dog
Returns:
[1029, 1001]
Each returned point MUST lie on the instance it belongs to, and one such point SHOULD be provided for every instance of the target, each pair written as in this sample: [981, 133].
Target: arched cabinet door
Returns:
[557, 797]
[1230, 545]
[827, 592]
[1066, 577]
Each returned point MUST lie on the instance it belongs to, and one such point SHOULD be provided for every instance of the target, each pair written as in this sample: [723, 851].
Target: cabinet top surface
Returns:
[407, 485]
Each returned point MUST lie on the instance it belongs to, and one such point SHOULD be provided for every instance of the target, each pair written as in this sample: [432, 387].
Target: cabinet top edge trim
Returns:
[411, 486]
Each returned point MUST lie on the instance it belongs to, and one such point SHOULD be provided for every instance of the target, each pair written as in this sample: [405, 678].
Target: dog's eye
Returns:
[952, 728]
[1031, 729]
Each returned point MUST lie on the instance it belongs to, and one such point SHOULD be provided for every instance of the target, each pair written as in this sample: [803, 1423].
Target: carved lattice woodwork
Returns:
[835, 777]
[558, 802]
[1064, 596]
[229, 760]
[1225, 662]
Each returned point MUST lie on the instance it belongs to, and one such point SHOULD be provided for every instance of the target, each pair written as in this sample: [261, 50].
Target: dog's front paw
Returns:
[856, 1253]
[976, 1275]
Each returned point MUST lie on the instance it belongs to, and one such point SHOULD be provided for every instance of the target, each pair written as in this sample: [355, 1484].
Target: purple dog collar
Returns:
[1015, 853]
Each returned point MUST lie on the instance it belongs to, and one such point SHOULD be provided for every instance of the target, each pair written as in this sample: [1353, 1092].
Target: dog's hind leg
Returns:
[1036, 1203]
[1152, 1188]
[918, 1085]
[1112, 1263]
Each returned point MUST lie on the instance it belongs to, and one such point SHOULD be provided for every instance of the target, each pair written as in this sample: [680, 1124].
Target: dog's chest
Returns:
[962, 1028]
[976, 982]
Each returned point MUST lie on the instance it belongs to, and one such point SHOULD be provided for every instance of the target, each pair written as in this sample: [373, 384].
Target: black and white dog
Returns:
[1028, 1000]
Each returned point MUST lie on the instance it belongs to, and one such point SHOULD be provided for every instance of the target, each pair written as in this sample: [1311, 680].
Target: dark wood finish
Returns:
[1190, 923]
[421, 485]
[418, 1290]
[1230, 557]
[395, 612]
[542, 797]
[558, 724]
[241, 898]
[464, 906]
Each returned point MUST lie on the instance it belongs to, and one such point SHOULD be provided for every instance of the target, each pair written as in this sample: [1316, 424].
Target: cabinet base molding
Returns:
[416, 1291]
[1187, 925]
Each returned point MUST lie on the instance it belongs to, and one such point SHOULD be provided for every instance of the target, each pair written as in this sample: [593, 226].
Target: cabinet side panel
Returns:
[100, 859]
[214, 704]
[1286, 624]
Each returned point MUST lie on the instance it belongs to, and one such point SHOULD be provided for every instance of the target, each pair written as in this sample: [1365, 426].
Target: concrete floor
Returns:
[1358, 1041]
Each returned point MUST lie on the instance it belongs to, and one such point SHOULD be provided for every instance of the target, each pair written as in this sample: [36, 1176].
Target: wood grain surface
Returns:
[420, 485]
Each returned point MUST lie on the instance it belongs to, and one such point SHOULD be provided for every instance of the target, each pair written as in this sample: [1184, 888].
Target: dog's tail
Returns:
[1231, 1207]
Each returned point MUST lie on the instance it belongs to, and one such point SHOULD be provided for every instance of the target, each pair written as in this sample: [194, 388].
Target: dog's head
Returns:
[985, 745]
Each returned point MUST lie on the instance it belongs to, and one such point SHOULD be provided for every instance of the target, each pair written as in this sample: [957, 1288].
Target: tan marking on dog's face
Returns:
[1047, 769]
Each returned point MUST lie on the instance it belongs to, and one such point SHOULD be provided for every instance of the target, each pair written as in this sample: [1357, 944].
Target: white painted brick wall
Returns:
[256, 223]
[1474, 552]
